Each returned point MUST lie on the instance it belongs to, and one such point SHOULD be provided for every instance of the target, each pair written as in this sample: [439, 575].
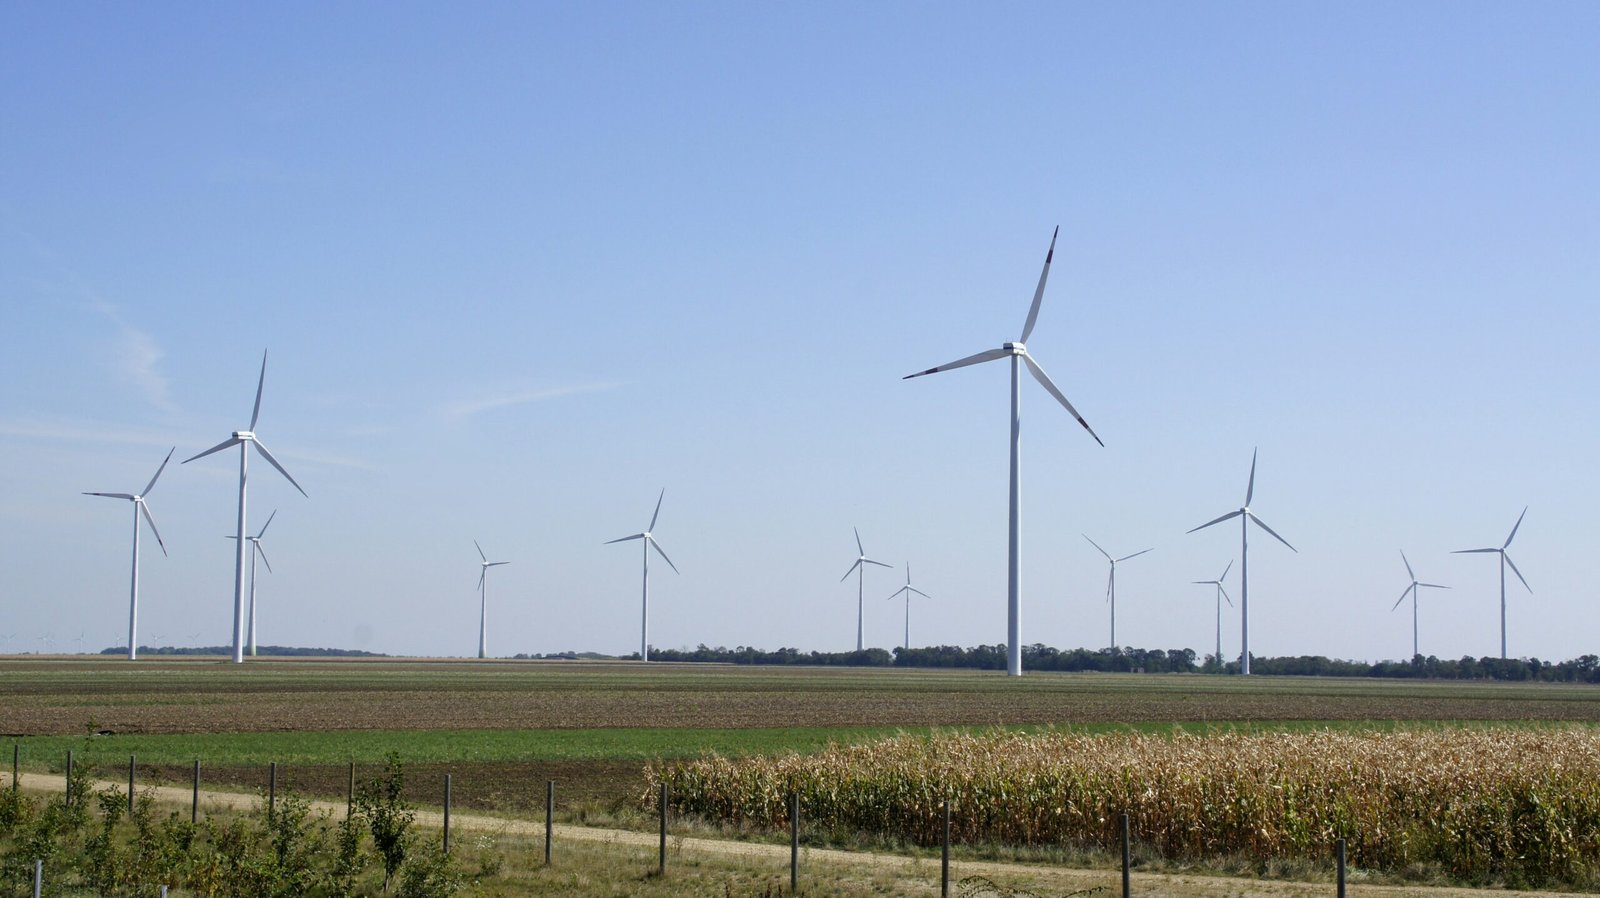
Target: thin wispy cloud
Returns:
[136, 358]
[66, 430]
[469, 407]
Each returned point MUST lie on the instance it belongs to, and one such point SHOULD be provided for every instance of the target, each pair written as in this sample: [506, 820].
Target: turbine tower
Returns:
[1246, 516]
[139, 508]
[244, 439]
[1412, 590]
[860, 570]
[1222, 595]
[1111, 584]
[255, 544]
[483, 599]
[908, 589]
[1018, 353]
[649, 541]
[1505, 559]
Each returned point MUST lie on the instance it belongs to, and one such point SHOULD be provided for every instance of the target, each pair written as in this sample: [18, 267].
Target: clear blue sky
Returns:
[520, 266]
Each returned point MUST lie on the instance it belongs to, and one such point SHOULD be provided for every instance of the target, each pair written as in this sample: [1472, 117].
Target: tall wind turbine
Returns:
[1222, 595]
[649, 541]
[139, 508]
[860, 570]
[1504, 560]
[1111, 584]
[244, 439]
[1412, 590]
[908, 589]
[256, 549]
[483, 599]
[1018, 353]
[1245, 516]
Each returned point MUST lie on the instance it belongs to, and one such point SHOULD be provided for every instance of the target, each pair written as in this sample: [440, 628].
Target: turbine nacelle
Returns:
[244, 435]
[1015, 348]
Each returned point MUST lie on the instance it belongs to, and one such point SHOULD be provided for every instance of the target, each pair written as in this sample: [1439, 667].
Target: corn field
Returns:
[1520, 807]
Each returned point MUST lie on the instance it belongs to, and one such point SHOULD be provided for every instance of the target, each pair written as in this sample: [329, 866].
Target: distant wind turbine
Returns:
[1018, 353]
[1412, 591]
[907, 589]
[1505, 559]
[483, 599]
[1111, 583]
[1245, 516]
[1222, 595]
[860, 570]
[244, 439]
[649, 541]
[139, 508]
[256, 549]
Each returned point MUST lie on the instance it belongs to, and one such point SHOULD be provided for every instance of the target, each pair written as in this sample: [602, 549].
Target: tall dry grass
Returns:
[1514, 806]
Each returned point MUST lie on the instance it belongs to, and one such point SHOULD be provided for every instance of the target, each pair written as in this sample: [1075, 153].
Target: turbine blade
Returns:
[263, 555]
[1405, 592]
[1473, 551]
[1409, 573]
[1434, 585]
[859, 549]
[1263, 525]
[851, 571]
[495, 563]
[263, 531]
[987, 355]
[918, 591]
[151, 485]
[896, 593]
[112, 495]
[878, 563]
[1038, 292]
[657, 547]
[255, 414]
[1518, 573]
[1110, 579]
[480, 552]
[230, 441]
[1250, 491]
[274, 462]
[1231, 514]
[1044, 381]
[1224, 595]
[152, 522]
[1514, 528]
[482, 572]
[1097, 546]
[658, 509]
[1225, 572]
[610, 541]
[1136, 554]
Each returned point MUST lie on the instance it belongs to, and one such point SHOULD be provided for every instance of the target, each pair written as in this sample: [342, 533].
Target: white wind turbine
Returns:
[860, 570]
[1111, 583]
[256, 549]
[483, 599]
[1412, 590]
[1245, 516]
[649, 541]
[139, 508]
[1222, 595]
[1504, 560]
[908, 589]
[1018, 353]
[244, 439]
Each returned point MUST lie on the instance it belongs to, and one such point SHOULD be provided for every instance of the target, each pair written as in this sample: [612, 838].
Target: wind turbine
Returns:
[908, 589]
[1245, 516]
[1504, 560]
[1018, 352]
[1222, 595]
[860, 570]
[649, 541]
[244, 439]
[255, 543]
[1412, 590]
[139, 508]
[1111, 584]
[483, 599]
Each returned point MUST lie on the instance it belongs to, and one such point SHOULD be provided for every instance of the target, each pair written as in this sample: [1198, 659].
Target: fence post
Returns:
[663, 864]
[16, 755]
[1339, 851]
[272, 789]
[1126, 885]
[350, 795]
[549, 817]
[38, 877]
[447, 813]
[131, 768]
[194, 805]
[944, 855]
[794, 843]
[69, 777]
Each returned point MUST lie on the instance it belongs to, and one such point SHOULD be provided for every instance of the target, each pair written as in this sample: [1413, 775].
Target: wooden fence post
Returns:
[1127, 888]
[549, 817]
[794, 843]
[350, 796]
[944, 855]
[38, 877]
[272, 789]
[1339, 851]
[663, 863]
[447, 813]
[69, 777]
[194, 804]
[131, 769]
